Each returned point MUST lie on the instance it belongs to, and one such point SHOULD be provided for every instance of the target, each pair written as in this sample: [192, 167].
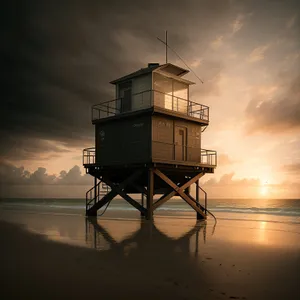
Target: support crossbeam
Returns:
[119, 191]
[164, 199]
[180, 191]
[139, 188]
[146, 186]
[189, 201]
[168, 196]
[197, 203]
[108, 197]
[113, 193]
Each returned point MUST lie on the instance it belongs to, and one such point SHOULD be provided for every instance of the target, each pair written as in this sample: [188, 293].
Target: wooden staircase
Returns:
[95, 194]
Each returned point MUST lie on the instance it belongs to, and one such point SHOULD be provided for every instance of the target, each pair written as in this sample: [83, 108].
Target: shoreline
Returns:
[285, 210]
[134, 214]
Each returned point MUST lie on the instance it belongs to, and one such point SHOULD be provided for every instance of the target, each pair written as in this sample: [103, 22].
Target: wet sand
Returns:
[64, 257]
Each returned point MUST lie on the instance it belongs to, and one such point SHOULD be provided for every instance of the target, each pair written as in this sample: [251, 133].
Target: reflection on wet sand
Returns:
[169, 259]
[100, 235]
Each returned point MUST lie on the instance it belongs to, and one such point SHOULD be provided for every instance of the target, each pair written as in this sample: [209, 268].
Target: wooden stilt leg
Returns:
[199, 217]
[142, 203]
[149, 213]
[143, 183]
[95, 190]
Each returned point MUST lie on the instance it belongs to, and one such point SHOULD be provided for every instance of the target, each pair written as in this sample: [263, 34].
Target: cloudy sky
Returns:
[58, 59]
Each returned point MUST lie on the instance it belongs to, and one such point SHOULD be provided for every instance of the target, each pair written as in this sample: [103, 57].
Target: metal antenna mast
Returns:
[167, 46]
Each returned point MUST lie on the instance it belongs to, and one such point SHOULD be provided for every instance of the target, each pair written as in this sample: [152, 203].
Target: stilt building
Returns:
[148, 142]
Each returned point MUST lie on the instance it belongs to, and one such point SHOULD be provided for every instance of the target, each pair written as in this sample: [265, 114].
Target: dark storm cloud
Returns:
[17, 148]
[12, 175]
[58, 58]
[277, 115]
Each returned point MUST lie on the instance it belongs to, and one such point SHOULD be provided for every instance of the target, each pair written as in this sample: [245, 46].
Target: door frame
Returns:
[186, 141]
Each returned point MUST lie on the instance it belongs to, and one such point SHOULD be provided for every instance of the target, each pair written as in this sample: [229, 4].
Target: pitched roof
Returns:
[172, 69]
[140, 72]
[167, 68]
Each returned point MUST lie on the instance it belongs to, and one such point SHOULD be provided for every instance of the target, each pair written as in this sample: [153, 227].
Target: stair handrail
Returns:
[89, 201]
[205, 197]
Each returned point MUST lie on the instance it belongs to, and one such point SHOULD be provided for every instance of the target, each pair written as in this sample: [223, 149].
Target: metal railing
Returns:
[147, 99]
[89, 156]
[209, 157]
[181, 153]
[189, 154]
[94, 194]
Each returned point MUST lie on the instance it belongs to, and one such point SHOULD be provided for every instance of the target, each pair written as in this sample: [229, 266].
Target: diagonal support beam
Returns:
[175, 187]
[172, 184]
[194, 205]
[133, 202]
[164, 198]
[119, 191]
[197, 203]
[180, 190]
[108, 197]
[139, 188]
[112, 194]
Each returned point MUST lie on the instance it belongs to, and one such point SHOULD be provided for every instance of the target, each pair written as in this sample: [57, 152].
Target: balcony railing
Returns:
[147, 99]
[89, 156]
[200, 156]
[180, 153]
[209, 157]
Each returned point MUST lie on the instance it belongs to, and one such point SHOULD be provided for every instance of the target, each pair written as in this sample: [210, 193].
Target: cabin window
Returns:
[163, 90]
[180, 96]
[170, 93]
[141, 92]
[124, 97]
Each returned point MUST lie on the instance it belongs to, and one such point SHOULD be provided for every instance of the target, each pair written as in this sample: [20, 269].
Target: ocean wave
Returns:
[256, 210]
[248, 210]
[175, 207]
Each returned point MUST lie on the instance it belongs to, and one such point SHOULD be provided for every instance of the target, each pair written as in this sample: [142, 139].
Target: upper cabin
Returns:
[158, 86]
[151, 120]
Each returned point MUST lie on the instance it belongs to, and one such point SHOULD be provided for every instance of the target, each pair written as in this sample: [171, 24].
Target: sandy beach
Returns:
[69, 257]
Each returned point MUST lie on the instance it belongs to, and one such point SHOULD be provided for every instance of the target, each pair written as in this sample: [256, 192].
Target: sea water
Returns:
[279, 210]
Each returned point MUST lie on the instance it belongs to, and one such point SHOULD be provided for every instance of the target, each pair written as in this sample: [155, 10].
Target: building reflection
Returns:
[100, 235]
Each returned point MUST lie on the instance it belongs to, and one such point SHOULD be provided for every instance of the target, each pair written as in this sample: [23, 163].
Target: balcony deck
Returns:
[158, 101]
[207, 161]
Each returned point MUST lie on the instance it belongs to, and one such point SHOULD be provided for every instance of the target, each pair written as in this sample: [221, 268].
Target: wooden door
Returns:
[180, 143]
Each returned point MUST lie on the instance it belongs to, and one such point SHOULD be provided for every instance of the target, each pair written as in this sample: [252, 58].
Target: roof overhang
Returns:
[172, 69]
[138, 73]
[177, 78]
[168, 70]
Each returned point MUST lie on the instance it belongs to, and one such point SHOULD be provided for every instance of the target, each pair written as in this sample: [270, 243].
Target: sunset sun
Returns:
[264, 189]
